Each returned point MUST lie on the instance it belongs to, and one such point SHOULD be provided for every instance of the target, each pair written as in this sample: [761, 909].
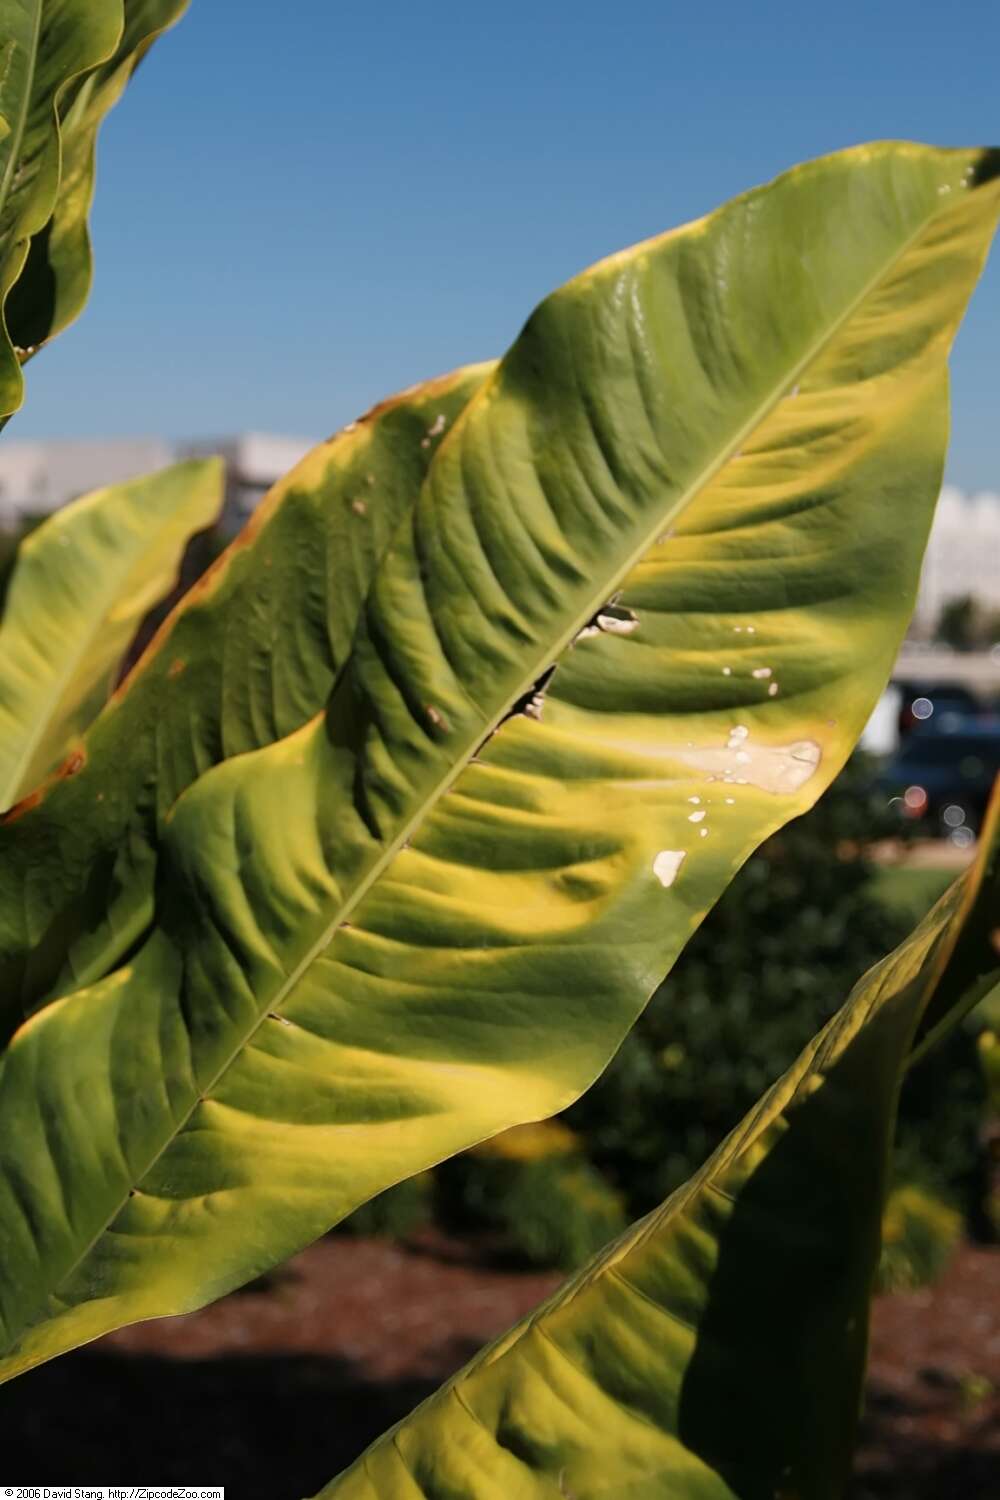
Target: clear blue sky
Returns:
[303, 208]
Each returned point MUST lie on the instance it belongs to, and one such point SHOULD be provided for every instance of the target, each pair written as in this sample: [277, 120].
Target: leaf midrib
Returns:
[379, 866]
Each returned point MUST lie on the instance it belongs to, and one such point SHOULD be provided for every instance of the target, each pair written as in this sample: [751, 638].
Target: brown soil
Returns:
[275, 1389]
[932, 1424]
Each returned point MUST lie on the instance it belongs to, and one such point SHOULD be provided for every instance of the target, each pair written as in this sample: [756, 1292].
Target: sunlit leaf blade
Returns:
[248, 656]
[715, 1351]
[53, 286]
[434, 911]
[83, 582]
[44, 46]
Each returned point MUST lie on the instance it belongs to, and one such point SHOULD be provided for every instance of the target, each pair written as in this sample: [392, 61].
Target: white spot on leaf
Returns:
[782, 769]
[666, 864]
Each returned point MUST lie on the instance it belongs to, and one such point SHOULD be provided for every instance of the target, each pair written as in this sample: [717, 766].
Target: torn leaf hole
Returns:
[530, 703]
[611, 619]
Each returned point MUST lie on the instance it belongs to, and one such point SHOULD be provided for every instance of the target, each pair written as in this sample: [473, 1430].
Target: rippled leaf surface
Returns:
[717, 1349]
[249, 655]
[654, 582]
[83, 582]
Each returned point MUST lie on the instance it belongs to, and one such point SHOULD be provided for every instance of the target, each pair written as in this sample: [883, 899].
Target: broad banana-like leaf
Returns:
[44, 46]
[82, 584]
[716, 1351]
[249, 655]
[655, 579]
[53, 286]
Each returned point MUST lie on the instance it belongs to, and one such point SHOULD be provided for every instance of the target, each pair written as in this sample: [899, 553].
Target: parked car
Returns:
[943, 775]
[928, 704]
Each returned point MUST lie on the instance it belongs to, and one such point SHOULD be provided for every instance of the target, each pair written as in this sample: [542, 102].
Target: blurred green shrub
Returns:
[398, 1212]
[533, 1189]
[919, 1234]
[988, 1049]
[558, 1212]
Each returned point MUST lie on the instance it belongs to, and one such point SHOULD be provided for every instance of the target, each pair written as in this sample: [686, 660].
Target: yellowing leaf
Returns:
[654, 582]
[82, 584]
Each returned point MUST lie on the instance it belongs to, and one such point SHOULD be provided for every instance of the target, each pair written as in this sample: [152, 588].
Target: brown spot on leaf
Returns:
[423, 391]
[25, 805]
[176, 667]
[73, 763]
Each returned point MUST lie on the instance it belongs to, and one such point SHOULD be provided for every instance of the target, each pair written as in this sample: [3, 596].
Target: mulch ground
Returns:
[274, 1390]
[932, 1424]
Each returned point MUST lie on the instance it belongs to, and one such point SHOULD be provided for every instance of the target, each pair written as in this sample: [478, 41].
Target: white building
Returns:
[36, 478]
[963, 555]
[254, 461]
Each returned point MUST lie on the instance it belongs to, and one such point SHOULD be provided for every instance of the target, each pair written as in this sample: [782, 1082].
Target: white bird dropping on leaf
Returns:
[666, 864]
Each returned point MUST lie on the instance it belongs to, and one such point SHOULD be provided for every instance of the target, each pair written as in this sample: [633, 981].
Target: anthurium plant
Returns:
[382, 846]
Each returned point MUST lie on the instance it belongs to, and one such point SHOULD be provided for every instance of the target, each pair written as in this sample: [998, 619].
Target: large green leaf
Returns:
[83, 582]
[428, 914]
[249, 655]
[53, 286]
[44, 46]
[716, 1350]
